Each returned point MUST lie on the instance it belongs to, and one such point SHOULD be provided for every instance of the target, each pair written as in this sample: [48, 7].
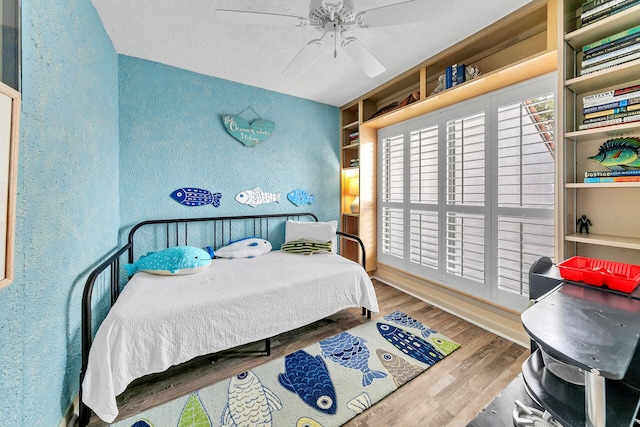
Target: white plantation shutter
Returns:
[423, 166]
[392, 201]
[466, 161]
[423, 190]
[466, 193]
[465, 197]
[525, 189]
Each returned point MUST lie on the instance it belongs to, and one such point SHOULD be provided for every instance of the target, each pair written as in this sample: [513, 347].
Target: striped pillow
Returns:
[306, 247]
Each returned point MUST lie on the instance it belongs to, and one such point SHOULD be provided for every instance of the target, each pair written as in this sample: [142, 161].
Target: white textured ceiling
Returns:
[185, 34]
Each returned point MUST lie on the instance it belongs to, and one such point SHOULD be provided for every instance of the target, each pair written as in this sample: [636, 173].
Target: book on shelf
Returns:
[454, 75]
[610, 173]
[590, 4]
[590, 9]
[605, 10]
[611, 46]
[610, 63]
[610, 105]
[610, 122]
[608, 96]
[604, 42]
[616, 53]
[613, 179]
[617, 112]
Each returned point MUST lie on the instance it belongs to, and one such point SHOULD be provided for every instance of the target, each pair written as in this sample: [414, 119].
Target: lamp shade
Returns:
[354, 186]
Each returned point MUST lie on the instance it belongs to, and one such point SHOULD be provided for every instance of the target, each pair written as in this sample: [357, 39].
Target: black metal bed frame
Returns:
[176, 233]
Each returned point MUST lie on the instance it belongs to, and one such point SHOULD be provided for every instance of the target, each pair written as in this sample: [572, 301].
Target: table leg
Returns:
[595, 399]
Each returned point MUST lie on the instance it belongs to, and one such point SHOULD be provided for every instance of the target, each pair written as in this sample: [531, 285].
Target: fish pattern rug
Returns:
[325, 384]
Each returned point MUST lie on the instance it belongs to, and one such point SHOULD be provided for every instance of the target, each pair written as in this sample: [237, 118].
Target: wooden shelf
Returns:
[601, 184]
[352, 125]
[531, 67]
[353, 146]
[605, 132]
[605, 240]
[618, 75]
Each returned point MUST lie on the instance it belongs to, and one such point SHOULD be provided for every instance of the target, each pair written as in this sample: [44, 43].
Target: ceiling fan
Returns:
[334, 18]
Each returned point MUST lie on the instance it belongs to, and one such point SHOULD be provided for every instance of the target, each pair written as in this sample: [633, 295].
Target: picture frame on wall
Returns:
[10, 36]
[9, 127]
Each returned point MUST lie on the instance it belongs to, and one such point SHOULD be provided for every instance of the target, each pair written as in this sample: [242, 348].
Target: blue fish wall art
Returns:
[300, 197]
[191, 197]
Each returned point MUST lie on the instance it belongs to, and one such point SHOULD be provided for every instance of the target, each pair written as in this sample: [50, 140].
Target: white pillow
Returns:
[318, 231]
[245, 248]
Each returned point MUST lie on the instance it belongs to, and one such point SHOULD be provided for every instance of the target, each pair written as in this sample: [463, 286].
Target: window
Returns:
[467, 193]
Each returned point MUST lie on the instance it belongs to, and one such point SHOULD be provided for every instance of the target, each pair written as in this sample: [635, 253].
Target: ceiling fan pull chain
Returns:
[335, 41]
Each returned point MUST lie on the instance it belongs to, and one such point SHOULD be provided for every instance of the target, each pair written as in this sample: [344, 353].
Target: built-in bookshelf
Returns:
[614, 235]
[518, 47]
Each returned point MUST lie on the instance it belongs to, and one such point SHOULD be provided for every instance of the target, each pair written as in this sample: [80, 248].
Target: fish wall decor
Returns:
[619, 154]
[247, 133]
[300, 197]
[191, 196]
[256, 196]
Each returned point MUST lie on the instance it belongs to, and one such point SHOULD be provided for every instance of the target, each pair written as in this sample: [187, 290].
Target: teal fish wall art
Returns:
[250, 134]
[300, 197]
[619, 154]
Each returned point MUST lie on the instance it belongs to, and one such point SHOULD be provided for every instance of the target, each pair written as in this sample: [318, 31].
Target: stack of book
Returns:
[595, 10]
[455, 74]
[611, 51]
[630, 175]
[354, 137]
[611, 107]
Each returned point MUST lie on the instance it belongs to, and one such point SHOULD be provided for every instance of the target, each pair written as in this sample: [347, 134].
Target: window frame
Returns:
[488, 103]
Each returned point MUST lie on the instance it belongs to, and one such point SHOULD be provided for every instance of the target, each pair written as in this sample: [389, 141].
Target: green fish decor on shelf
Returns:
[619, 154]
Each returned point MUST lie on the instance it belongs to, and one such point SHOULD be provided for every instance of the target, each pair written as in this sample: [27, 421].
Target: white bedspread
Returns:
[160, 321]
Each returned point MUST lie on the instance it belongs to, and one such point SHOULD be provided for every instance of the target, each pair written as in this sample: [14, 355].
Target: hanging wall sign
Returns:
[249, 134]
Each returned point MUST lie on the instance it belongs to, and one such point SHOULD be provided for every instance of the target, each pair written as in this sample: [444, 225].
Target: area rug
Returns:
[323, 385]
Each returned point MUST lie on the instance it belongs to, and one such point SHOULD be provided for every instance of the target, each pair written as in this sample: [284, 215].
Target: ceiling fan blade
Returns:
[308, 52]
[403, 13]
[363, 57]
[241, 17]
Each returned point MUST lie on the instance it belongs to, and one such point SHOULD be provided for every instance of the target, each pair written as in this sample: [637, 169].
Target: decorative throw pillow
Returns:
[171, 261]
[245, 248]
[306, 247]
[317, 231]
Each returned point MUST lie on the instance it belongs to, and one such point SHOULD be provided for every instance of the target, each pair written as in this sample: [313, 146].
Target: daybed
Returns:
[159, 321]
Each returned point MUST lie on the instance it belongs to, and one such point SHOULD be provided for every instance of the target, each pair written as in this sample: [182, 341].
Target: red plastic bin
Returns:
[615, 275]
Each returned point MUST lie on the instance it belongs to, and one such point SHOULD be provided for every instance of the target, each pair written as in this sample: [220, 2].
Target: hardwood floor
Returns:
[448, 394]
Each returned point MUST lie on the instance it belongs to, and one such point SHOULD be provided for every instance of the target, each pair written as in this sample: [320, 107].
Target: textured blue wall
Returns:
[67, 214]
[172, 136]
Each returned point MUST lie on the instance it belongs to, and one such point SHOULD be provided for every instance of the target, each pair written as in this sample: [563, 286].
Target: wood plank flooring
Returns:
[448, 394]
